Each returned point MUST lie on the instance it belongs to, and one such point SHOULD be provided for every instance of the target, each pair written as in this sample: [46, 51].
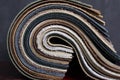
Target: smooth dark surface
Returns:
[10, 8]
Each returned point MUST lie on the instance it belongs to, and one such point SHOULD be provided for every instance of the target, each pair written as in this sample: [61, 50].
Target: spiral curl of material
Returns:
[44, 36]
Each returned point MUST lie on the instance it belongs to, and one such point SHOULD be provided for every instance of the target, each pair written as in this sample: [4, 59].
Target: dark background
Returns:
[9, 9]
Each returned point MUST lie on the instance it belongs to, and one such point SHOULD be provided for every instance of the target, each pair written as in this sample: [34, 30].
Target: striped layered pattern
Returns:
[45, 36]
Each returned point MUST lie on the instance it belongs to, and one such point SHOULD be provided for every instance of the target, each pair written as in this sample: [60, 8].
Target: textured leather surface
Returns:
[108, 9]
[104, 33]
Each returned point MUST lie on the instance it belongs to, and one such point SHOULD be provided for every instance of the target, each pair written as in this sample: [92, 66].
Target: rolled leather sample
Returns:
[44, 36]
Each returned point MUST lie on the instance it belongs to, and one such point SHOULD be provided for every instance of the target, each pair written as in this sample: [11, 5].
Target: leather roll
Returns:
[45, 36]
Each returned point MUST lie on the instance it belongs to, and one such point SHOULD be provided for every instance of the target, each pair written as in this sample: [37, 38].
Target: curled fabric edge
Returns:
[44, 36]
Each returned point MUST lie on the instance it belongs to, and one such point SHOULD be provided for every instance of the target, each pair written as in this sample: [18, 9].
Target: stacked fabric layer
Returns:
[45, 35]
